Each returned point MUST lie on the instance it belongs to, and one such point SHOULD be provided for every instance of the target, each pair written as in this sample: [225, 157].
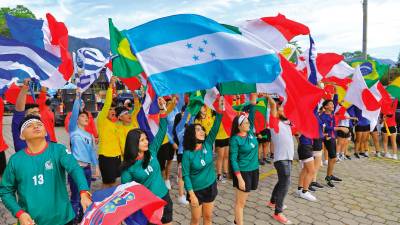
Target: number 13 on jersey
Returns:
[38, 180]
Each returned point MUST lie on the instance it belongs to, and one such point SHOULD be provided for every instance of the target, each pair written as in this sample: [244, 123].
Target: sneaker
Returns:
[348, 157]
[272, 205]
[182, 200]
[168, 184]
[223, 179]
[357, 155]
[316, 184]
[378, 155]
[310, 188]
[364, 154]
[394, 156]
[308, 196]
[298, 192]
[271, 156]
[329, 182]
[261, 162]
[267, 161]
[281, 219]
[333, 178]
[388, 155]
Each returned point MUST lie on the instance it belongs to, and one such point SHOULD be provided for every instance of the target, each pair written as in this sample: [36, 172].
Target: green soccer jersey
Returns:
[40, 183]
[243, 151]
[198, 170]
[150, 176]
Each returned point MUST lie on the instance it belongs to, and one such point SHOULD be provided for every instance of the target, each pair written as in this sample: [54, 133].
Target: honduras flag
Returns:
[187, 52]
[19, 60]
[131, 202]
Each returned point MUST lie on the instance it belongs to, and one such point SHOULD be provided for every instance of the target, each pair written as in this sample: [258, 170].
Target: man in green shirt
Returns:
[37, 175]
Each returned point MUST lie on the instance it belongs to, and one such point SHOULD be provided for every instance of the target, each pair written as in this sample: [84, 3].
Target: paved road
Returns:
[369, 194]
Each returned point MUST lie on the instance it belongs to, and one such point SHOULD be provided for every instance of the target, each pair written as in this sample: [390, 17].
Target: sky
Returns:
[336, 26]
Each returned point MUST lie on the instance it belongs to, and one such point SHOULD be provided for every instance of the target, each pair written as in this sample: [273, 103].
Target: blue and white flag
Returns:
[20, 60]
[88, 63]
[187, 52]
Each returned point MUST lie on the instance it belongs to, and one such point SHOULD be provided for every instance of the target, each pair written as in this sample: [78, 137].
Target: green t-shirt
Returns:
[151, 176]
[243, 151]
[40, 183]
[198, 170]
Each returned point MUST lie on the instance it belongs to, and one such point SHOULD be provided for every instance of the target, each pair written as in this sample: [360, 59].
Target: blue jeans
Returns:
[75, 195]
[283, 169]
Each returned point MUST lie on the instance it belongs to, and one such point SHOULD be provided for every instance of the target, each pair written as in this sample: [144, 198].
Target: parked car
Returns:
[64, 101]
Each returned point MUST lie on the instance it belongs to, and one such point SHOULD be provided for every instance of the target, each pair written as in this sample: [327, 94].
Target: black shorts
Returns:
[179, 157]
[266, 133]
[305, 151]
[220, 143]
[250, 179]
[317, 145]
[330, 146]
[165, 154]
[168, 209]
[375, 129]
[342, 134]
[3, 162]
[392, 130]
[205, 195]
[109, 168]
[365, 128]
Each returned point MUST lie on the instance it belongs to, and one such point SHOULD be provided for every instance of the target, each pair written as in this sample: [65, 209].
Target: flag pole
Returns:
[364, 42]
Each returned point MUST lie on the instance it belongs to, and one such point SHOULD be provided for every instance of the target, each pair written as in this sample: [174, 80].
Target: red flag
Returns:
[12, 94]
[3, 144]
[325, 62]
[302, 98]
[112, 205]
[59, 37]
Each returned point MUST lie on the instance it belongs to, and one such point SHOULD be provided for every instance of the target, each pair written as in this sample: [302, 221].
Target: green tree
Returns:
[349, 56]
[19, 11]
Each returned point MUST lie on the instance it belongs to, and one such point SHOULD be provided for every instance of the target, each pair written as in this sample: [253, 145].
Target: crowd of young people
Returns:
[206, 155]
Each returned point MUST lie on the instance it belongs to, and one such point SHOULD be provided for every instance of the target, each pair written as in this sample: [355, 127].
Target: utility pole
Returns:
[364, 42]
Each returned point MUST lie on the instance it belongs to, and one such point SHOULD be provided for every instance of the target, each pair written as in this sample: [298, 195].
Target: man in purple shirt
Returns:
[22, 110]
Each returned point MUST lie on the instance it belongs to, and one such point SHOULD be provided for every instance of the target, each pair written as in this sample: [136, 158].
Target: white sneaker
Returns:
[388, 155]
[308, 196]
[394, 156]
[298, 193]
[168, 184]
[378, 154]
[182, 200]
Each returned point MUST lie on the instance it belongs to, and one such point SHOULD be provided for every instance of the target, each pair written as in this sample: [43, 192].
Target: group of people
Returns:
[37, 169]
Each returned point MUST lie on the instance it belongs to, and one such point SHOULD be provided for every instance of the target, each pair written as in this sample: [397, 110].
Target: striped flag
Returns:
[184, 53]
[48, 34]
[90, 61]
[20, 60]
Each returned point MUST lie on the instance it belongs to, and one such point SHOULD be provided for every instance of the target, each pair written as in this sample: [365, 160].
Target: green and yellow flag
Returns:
[394, 88]
[371, 70]
[125, 64]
